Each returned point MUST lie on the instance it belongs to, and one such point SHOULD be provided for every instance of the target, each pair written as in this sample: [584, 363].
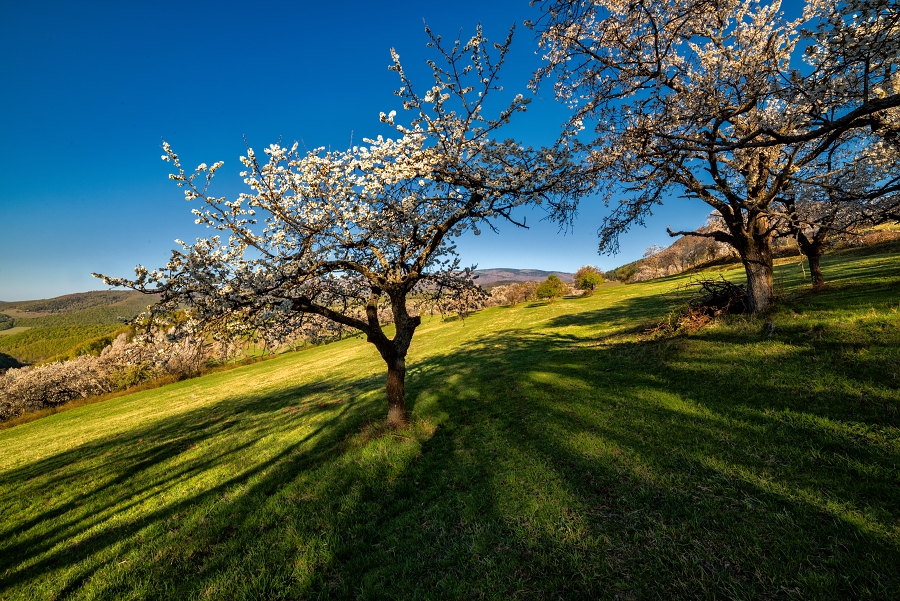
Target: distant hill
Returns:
[36, 330]
[506, 275]
[71, 303]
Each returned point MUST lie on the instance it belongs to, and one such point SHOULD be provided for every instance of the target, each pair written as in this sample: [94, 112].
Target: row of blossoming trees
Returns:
[704, 99]
[135, 360]
[123, 363]
[783, 125]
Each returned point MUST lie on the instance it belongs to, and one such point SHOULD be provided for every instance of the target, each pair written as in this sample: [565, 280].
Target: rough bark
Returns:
[815, 270]
[396, 393]
[753, 241]
[813, 251]
[760, 289]
[393, 351]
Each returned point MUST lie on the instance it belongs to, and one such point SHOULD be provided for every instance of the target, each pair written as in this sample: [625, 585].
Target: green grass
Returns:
[554, 453]
[51, 328]
[40, 343]
[14, 330]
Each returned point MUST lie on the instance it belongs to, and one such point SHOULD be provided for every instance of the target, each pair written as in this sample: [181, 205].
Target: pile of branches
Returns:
[719, 297]
[712, 298]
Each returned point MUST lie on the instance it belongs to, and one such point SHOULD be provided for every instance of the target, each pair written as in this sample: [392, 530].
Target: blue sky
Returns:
[92, 88]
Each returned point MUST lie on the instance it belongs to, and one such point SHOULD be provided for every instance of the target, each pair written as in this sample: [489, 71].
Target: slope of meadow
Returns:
[38, 344]
[554, 453]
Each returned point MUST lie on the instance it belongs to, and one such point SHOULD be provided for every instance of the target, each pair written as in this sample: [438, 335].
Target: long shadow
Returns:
[848, 293]
[79, 496]
[555, 468]
[554, 478]
[755, 489]
[625, 316]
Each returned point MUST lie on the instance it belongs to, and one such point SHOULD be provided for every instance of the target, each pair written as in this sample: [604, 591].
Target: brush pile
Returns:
[712, 298]
[718, 297]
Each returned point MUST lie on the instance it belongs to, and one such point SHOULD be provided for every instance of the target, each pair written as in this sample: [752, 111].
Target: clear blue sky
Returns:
[90, 90]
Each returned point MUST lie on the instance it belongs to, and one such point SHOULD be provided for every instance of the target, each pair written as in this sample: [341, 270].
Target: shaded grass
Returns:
[553, 454]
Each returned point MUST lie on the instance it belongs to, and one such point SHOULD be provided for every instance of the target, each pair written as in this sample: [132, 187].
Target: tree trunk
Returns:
[815, 270]
[396, 392]
[813, 251]
[394, 354]
[760, 288]
[752, 239]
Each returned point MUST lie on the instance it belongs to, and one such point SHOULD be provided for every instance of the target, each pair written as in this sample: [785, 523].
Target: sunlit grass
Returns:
[14, 330]
[554, 452]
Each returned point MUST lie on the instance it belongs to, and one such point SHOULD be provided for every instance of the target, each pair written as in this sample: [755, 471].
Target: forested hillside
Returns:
[71, 303]
[36, 330]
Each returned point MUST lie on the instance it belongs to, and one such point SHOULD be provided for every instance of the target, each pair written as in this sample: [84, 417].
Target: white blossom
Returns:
[346, 236]
[711, 100]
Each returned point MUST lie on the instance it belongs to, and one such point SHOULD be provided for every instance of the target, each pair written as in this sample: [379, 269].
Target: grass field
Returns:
[14, 330]
[554, 453]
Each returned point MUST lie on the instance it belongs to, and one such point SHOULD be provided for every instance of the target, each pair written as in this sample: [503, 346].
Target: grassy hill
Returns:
[41, 329]
[555, 453]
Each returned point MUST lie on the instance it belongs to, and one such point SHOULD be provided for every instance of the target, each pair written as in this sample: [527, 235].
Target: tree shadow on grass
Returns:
[544, 465]
[677, 476]
[626, 316]
[552, 477]
[851, 294]
[73, 513]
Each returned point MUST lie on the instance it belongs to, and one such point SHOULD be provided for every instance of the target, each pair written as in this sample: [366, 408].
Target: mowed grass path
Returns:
[554, 453]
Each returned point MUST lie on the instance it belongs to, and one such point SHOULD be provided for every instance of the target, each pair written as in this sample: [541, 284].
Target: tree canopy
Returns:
[713, 100]
[551, 288]
[587, 278]
[339, 235]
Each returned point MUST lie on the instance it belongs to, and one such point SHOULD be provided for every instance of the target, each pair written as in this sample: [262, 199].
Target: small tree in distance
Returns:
[652, 257]
[587, 278]
[551, 288]
[340, 235]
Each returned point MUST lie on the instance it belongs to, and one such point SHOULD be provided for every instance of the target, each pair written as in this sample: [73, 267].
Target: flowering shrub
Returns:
[128, 362]
[32, 388]
[513, 294]
[120, 365]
